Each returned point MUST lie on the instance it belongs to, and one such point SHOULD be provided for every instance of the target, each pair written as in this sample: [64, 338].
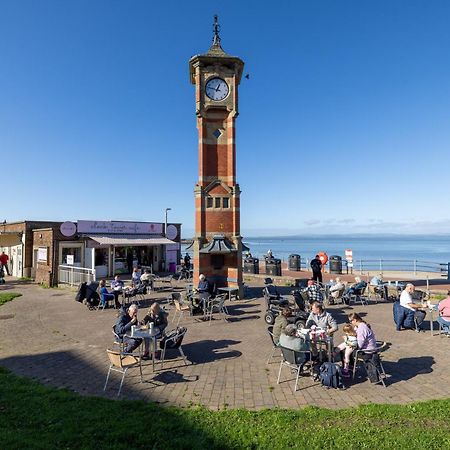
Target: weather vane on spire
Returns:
[216, 29]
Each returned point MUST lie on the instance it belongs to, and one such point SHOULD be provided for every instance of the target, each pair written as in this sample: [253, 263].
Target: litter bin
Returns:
[172, 267]
[273, 267]
[294, 262]
[335, 264]
[251, 265]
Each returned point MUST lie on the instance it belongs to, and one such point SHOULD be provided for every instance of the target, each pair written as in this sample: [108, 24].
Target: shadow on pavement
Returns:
[208, 350]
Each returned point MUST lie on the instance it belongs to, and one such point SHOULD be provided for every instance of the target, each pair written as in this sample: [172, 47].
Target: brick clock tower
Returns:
[217, 244]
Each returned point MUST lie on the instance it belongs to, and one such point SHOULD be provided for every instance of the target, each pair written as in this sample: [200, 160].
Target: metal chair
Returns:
[290, 358]
[173, 343]
[359, 295]
[274, 344]
[121, 362]
[180, 309]
[374, 292]
[118, 341]
[217, 303]
[359, 356]
[104, 301]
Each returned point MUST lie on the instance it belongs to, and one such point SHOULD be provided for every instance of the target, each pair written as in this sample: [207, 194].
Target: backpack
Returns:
[330, 375]
[371, 363]
[173, 338]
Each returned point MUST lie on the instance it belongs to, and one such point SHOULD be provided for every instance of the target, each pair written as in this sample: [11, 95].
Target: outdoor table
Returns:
[319, 338]
[147, 334]
[431, 309]
[231, 291]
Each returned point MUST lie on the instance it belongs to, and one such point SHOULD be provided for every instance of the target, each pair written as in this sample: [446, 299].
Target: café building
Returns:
[69, 252]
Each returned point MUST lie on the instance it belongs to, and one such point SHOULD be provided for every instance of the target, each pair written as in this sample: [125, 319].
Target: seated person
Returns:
[289, 339]
[355, 287]
[123, 326]
[136, 277]
[203, 285]
[147, 278]
[377, 280]
[337, 288]
[407, 301]
[105, 295]
[158, 317]
[444, 314]
[281, 322]
[117, 287]
[313, 292]
[321, 319]
[347, 347]
[364, 334]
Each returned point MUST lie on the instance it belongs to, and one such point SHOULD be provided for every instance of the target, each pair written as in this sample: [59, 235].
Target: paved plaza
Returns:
[48, 336]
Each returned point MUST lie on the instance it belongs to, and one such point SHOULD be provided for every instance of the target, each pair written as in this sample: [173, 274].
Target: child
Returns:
[350, 343]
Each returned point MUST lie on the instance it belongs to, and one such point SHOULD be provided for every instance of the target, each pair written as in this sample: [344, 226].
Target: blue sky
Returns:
[343, 126]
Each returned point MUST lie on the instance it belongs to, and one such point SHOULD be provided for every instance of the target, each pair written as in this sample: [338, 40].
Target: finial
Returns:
[216, 29]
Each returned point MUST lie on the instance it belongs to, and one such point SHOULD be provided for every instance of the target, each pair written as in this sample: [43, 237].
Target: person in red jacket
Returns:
[4, 262]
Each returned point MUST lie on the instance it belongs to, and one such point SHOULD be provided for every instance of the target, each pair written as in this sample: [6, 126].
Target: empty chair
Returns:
[359, 295]
[180, 309]
[217, 304]
[172, 341]
[120, 362]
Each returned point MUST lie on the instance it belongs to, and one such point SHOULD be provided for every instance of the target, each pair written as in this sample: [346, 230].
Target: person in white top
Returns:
[407, 301]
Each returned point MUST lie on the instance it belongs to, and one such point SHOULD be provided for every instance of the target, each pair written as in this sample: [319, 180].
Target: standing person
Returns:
[187, 261]
[444, 314]
[316, 267]
[4, 262]
[130, 260]
[269, 254]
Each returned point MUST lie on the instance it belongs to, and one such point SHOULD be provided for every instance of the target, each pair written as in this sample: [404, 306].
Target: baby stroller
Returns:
[92, 296]
[275, 303]
[2, 275]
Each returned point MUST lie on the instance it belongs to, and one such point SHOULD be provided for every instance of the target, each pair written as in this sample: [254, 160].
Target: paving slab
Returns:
[48, 336]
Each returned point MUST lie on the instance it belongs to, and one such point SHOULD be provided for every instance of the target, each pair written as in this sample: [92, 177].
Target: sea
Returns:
[427, 248]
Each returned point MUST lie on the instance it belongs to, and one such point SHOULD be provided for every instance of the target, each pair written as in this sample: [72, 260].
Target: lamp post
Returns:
[165, 223]
[165, 233]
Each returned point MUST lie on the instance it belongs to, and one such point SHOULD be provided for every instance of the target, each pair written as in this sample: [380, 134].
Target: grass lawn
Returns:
[8, 296]
[36, 416]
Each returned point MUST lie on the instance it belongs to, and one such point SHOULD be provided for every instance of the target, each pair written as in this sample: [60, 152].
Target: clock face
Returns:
[216, 89]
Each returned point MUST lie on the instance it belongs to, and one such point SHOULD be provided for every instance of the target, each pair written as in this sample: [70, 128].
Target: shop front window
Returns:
[71, 255]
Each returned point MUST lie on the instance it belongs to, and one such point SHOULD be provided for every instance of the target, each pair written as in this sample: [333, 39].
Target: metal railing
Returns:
[401, 265]
[75, 275]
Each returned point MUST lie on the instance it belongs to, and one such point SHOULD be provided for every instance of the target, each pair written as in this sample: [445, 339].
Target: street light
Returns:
[165, 223]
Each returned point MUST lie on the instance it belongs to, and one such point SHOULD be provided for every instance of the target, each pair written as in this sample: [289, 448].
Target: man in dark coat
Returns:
[316, 266]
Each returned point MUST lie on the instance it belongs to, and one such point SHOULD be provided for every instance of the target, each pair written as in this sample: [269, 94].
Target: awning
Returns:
[218, 246]
[129, 240]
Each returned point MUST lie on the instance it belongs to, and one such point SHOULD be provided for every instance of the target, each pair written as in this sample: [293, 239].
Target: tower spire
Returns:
[216, 29]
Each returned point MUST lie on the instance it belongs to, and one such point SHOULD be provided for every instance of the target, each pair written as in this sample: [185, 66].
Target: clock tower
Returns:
[217, 243]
